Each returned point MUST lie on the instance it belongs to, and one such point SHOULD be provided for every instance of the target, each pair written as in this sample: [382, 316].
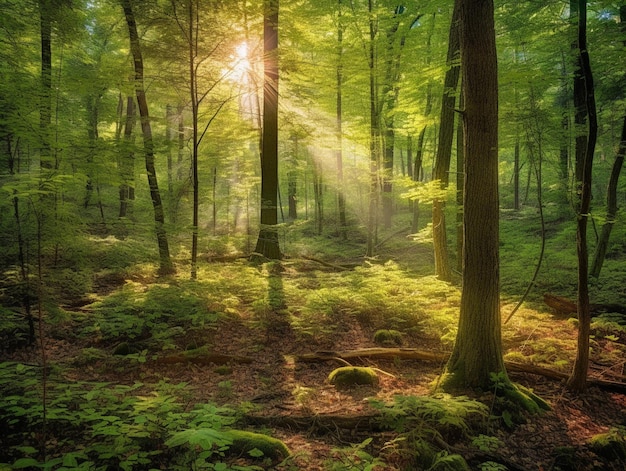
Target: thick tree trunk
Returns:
[165, 262]
[444, 149]
[478, 348]
[267, 243]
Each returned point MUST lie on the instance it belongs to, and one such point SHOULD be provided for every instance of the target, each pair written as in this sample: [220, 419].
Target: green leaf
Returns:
[255, 453]
[25, 463]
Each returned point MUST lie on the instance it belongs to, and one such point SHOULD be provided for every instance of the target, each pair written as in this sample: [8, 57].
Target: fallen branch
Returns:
[203, 358]
[415, 354]
[562, 305]
[326, 264]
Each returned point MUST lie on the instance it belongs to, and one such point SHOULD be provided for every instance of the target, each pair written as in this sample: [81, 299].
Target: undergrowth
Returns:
[103, 426]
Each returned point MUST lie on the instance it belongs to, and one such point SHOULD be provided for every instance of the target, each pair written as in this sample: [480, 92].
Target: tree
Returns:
[611, 191]
[444, 149]
[165, 262]
[477, 350]
[267, 243]
[578, 378]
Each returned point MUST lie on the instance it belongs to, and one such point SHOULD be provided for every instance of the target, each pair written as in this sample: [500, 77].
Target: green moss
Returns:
[245, 442]
[347, 376]
[388, 337]
[223, 370]
[610, 445]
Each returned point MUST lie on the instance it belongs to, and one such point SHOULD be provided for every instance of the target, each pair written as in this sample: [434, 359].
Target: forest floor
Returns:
[275, 385]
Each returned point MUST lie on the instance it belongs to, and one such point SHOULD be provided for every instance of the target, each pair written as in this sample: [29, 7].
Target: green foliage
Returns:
[160, 312]
[610, 445]
[354, 457]
[104, 426]
[13, 329]
[425, 423]
[512, 401]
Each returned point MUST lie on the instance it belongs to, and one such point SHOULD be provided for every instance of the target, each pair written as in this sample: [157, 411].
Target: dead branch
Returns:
[415, 354]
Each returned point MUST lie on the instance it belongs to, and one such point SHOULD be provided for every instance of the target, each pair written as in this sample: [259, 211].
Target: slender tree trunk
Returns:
[341, 198]
[292, 182]
[192, 44]
[578, 379]
[375, 137]
[126, 165]
[444, 149]
[267, 243]
[460, 191]
[165, 262]
[611, 192]
[45, 98]
[477, 351]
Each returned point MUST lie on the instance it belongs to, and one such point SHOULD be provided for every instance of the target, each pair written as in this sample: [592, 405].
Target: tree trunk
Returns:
[478, 347]
[267, 243]
[444, 149]
[578, 379]
[611, 192]
[192, 43]
[375, 138]
[341, 198]
[611, 208]
[460, 190]
[45, 98]
[126, 165]
[165, 262]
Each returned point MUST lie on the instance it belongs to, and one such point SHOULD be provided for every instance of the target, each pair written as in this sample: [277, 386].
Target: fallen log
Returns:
[565, 306]
[374, 352]
[415, 354]
[203, 358]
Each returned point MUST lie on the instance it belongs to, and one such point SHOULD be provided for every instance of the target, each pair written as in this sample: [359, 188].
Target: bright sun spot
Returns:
[242, 50]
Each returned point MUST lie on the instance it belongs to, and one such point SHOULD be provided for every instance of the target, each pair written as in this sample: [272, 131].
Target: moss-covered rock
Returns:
[347, 376]
[610, 445]
[388, 338]
[245, 442]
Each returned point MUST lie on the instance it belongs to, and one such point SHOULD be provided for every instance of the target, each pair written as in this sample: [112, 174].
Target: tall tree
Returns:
[477, 350]
[611, 191]
[45, 98]
[165, 262]
[341, 198]
[444, 149]
[578, 379]
[267, 243]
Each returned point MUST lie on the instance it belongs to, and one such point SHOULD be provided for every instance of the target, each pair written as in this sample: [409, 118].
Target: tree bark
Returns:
[267, 243]
[611, 192]
[444, 149]
[578, 379]
[341, 198]
[611, 207]
[126, 165]
[375, 137]
[45, 98]
[165, 262]
[478, 347]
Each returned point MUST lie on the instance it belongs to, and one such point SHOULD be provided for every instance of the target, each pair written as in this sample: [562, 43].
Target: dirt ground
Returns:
[280, 386]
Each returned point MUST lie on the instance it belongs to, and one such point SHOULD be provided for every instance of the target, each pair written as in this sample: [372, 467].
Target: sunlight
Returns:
[242, 73]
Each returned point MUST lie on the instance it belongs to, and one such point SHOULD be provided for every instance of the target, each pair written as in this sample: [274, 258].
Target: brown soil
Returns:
[280, 387]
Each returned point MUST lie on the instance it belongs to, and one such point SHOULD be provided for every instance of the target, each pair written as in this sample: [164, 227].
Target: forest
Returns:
[312, 235]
